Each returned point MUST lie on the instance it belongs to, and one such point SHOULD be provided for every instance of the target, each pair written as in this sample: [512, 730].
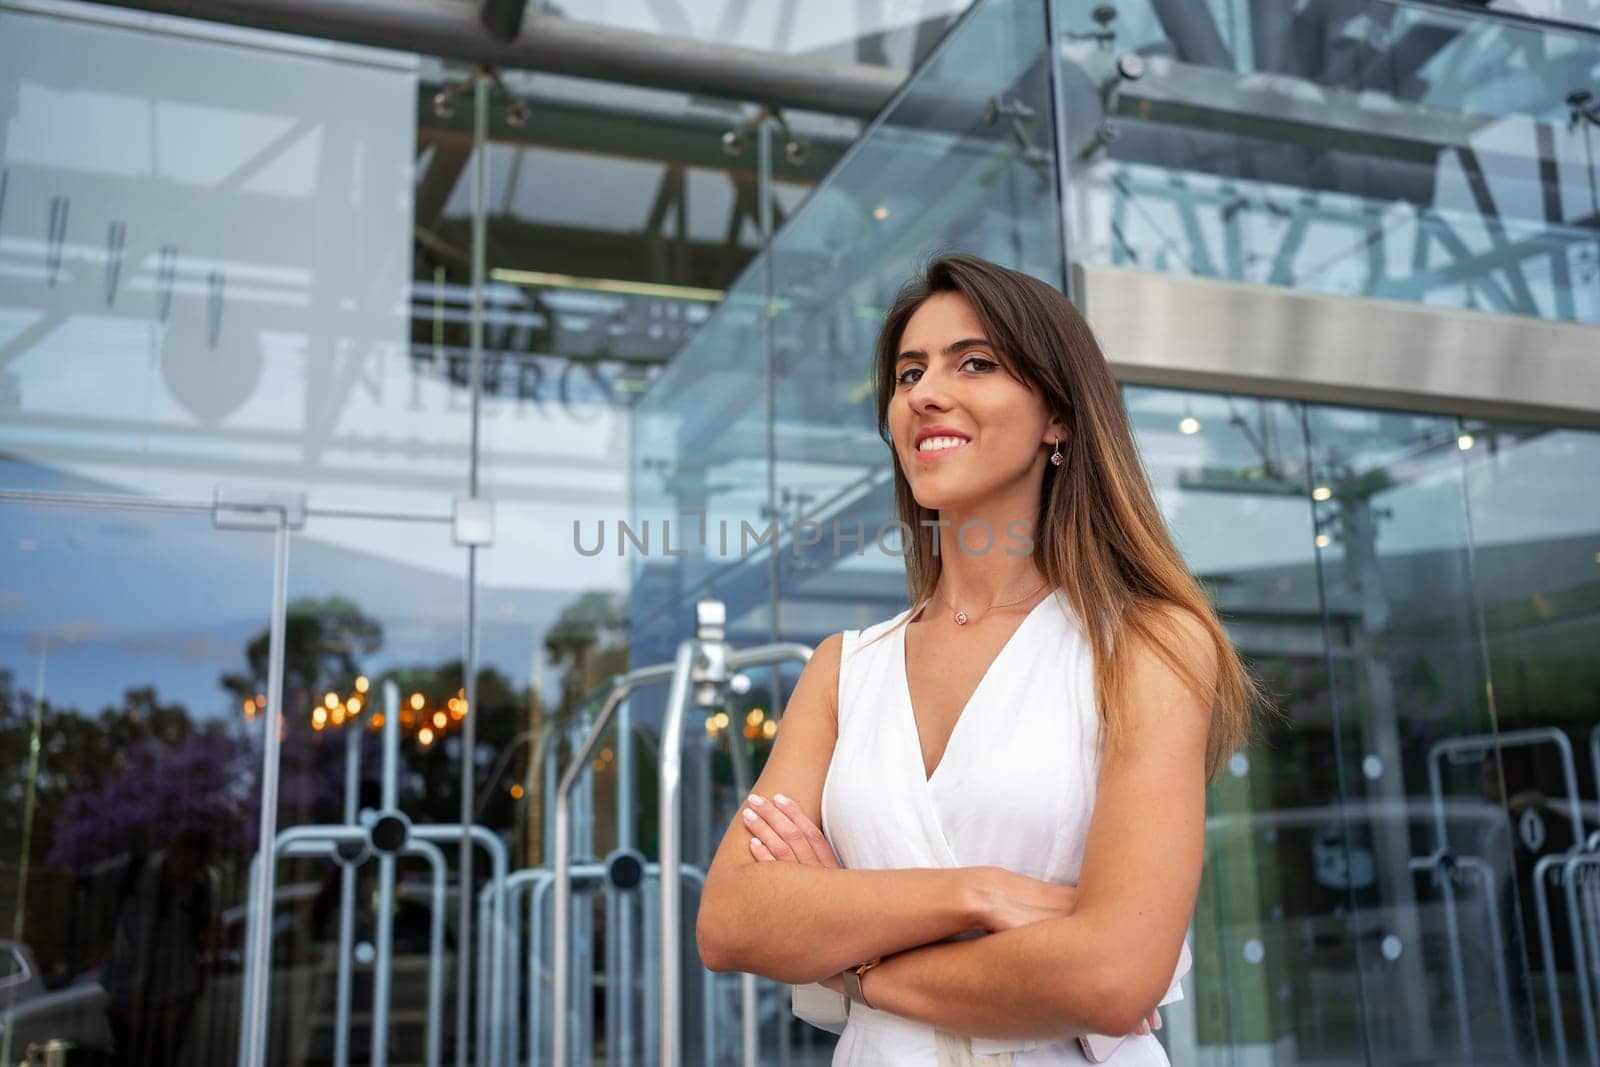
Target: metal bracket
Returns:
[472, 521]
[235, 508]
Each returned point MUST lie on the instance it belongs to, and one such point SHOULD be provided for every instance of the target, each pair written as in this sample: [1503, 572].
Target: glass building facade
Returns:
[275, 450]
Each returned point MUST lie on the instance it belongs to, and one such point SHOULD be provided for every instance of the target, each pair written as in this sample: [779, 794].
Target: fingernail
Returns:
[755, 843]
[1144, 1028]
[780, 798]
[756, 800]
[1158, 1022]
[749, 816]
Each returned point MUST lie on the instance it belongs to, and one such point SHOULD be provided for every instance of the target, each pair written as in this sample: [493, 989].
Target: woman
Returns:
[1024, 752]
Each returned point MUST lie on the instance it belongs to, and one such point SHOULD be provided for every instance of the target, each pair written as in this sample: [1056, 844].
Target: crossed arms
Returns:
[1056, 962]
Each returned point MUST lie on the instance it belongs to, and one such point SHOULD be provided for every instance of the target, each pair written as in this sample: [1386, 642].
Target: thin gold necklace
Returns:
[962, 618]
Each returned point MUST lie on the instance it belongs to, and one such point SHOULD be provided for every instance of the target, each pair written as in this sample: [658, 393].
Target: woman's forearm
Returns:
[1025, 982]
[798, 923]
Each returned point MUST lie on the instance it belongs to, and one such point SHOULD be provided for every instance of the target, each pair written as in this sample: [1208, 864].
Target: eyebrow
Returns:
[950, 349]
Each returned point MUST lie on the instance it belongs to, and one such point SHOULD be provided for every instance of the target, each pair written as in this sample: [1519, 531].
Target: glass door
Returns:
[135, 745]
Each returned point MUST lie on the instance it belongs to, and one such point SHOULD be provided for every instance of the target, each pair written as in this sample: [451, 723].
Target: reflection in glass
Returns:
[1412, 154]
[130, 809]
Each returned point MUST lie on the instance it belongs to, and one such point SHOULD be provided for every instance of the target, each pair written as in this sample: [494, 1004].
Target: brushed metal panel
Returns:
[1202, 333]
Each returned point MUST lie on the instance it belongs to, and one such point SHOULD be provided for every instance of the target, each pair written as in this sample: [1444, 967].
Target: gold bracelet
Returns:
[852, 979]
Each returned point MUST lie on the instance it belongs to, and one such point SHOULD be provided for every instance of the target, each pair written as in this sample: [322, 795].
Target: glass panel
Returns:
[1273, 971]
[131, 749]
[205, 267]
[368, 603]
[1536, 543]
[1424, 826]
[700, 445]
[962, 160]
[1381, 149]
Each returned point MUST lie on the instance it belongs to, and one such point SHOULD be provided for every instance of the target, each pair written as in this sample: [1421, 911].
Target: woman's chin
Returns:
[939, 498]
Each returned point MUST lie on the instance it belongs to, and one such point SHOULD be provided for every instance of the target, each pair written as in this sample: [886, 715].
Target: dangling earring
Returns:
[1056, 457]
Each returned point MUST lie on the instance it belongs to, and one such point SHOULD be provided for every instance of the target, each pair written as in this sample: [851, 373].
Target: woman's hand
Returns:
[781, 831]
[1009, 900]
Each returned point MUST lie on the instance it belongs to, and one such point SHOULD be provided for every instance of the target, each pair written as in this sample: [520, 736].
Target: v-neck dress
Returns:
[1014, 789]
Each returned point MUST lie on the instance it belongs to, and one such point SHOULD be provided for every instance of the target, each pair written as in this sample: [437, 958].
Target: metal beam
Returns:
[502, 19]
[1201, 333]
[625, 131]
[451, 29]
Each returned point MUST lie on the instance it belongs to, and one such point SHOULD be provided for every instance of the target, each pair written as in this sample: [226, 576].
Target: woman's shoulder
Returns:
[873, 632]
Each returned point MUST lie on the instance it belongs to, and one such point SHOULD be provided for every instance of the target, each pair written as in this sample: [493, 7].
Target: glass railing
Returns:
[1415, 589]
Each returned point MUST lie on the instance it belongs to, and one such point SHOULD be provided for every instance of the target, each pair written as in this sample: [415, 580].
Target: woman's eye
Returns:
[978, 363]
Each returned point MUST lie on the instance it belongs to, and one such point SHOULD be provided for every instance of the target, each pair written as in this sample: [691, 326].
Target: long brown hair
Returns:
[1099, 536]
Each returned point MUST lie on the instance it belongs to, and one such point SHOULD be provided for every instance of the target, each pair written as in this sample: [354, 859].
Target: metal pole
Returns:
[671, 907]
[435, 857]
[559, 45]
[739, 758]
[622, 929]
[561, 833]
[1580, 957]
[650, 946]
[385, 923]
[498, 865]
[562, 995]
[19, 920]
[469, 661]
[535, 987]
[486, 979]
[347, 900]
[769, 368]
[516, 883]
[671, 781]
[1501, 979]
[253, 1037]
[1060, 162]
[1547, 947]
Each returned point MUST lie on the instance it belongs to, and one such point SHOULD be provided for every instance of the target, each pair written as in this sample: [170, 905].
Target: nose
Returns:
[927, 393]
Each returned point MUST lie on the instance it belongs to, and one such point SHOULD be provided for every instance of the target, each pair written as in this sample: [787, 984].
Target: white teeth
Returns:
[933, 443]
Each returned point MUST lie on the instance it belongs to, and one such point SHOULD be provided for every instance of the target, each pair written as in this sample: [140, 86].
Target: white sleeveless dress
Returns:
[1014, 789]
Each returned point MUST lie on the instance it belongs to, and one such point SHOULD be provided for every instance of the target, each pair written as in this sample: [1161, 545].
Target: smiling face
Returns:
[963, 427]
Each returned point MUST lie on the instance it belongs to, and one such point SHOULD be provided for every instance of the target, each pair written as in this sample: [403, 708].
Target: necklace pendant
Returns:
[961, 618]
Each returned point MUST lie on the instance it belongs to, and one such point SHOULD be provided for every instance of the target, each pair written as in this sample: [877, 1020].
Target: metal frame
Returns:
[536, 882]
[319, 843]
[421, 840]
[1443, 862]
[707, 663]
[671, 779]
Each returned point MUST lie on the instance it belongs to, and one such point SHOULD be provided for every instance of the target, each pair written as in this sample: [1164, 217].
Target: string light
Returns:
[756, 725]
[429, 724]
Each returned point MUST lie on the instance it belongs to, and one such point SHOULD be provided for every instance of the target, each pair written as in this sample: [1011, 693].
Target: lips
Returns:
[939, 429]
